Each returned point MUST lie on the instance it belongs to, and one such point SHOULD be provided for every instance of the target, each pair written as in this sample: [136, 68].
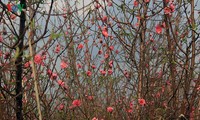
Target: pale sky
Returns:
[60, 4]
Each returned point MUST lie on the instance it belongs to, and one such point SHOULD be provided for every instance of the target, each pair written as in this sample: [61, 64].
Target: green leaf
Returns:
[184, 40]
[55, 35]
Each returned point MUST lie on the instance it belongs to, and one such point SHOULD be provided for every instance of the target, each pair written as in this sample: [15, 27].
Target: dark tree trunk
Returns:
[18, 62]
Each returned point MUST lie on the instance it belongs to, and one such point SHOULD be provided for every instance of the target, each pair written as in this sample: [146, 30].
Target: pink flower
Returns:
[49, 72]
[109, 3]
[93, 66]
[94, 118]
[1, 38]
[97, 6]
[100, 52]
[13, 16]
[57, 50]
[61, 106]
[198, 88]
[105, 18]
[63, 65]
[167, 11]
[105, 32]
[90, 97]
[66, 33]
[110, 71]
[44, 57]
[79, 65]
[80, 46]
[166, 1]
[168, 83]
[158, 29]
[27, 64]
[117, 51]
[172, 7]
[109, 109]
[126, 73]
[147, 1]
[163, 25]
[61, 83]
[131, 105]
[89, 73]
[135, 3]
[54, 76]
[38, 59]
[64, 15]
[1, 54]
[103, 72]
[110, 63]
[76, 103]
[106, 55]
[141, 102]
[111, 48]
[130, 110]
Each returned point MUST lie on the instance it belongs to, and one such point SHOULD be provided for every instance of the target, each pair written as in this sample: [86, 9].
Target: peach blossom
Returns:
[110, 109]
[142, 102]
[76, 103]
[158, 29]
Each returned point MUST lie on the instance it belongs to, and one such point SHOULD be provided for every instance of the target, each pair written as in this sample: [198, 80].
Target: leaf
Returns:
[55, 35]
[184, 40]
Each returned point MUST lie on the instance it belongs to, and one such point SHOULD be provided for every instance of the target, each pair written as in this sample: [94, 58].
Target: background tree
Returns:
[105, 59]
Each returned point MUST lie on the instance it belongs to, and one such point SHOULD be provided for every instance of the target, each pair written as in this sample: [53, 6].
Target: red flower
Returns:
[76, 103]
[142, 102]
[109, 109]
[158, 29]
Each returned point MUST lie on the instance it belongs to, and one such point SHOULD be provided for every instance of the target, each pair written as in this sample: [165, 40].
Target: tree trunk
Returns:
[18, 63]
